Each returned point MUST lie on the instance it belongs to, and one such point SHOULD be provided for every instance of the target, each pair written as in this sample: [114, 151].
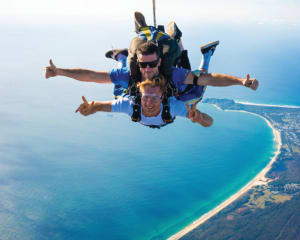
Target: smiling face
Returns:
[148, 72]
[151, 98]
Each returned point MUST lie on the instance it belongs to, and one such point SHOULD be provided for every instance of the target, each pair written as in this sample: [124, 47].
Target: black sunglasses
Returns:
[150, 64]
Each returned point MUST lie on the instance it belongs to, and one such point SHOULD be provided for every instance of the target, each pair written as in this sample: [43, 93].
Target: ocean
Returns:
[65, 176]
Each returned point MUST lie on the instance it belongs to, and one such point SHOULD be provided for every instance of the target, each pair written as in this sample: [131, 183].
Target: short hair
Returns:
[148, 48]
[158, 81]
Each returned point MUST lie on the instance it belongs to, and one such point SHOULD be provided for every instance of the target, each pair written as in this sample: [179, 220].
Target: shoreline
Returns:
[259, 179]
[267, 105]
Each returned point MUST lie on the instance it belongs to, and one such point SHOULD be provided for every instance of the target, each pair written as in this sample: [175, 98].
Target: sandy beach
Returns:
[259, 179]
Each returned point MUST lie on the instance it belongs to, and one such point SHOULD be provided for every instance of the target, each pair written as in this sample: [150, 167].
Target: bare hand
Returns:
[50, 71]
[193, 114]
[251, 82]
[86, 108]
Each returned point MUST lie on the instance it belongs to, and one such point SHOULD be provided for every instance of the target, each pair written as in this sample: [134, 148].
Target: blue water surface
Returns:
[65, 176]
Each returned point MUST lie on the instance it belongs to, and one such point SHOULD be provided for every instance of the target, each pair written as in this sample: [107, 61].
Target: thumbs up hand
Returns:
[251, 82]
[50, 71]
[86, 108]
[193, 114]
[198, 117]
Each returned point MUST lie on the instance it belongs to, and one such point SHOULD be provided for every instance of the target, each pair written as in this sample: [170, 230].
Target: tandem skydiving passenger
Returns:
[152, 95]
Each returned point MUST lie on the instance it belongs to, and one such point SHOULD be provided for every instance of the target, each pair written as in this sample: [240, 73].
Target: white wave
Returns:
[267, 105]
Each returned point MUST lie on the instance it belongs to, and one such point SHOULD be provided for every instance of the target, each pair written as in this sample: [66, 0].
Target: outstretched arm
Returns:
[79, 74]
[222, 80]
[198, 117]
[88, 108]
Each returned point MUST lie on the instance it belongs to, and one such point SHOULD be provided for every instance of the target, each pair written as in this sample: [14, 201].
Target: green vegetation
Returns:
[259, 199]
[267, 212]
[275, 221]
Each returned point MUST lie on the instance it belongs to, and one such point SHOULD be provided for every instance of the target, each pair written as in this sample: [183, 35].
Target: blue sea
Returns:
[65, 176]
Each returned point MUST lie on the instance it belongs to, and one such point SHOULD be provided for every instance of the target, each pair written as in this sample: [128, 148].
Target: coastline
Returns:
[259, 179]
[267, 105]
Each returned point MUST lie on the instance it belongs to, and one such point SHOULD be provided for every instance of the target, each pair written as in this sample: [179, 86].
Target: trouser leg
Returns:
[204, 64]
[207, 51]
[122, 61]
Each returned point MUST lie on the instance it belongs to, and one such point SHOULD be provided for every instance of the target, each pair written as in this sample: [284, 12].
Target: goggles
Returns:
[154, 97]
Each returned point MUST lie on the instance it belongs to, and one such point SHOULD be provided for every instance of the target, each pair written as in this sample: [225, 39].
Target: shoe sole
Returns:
[139, 20]
[109, 54]
[171, 29]
[209, 45]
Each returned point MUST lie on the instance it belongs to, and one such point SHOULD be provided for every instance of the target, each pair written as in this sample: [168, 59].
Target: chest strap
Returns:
[166, 115]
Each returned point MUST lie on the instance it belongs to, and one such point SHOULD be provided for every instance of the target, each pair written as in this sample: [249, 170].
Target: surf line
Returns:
[259, 179]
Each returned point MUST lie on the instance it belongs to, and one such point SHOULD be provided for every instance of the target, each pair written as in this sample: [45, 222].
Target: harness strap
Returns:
[136, 114]
[195, 80]
[171, 90]
[134, 92]
[166, 115]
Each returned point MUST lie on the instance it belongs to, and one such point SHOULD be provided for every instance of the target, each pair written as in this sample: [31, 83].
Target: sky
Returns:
[85, 11]
[75, 28]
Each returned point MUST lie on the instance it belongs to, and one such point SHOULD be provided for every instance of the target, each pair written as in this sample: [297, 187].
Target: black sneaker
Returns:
[113, 53]
[209, 46]
[173, 31]
[139, 21]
